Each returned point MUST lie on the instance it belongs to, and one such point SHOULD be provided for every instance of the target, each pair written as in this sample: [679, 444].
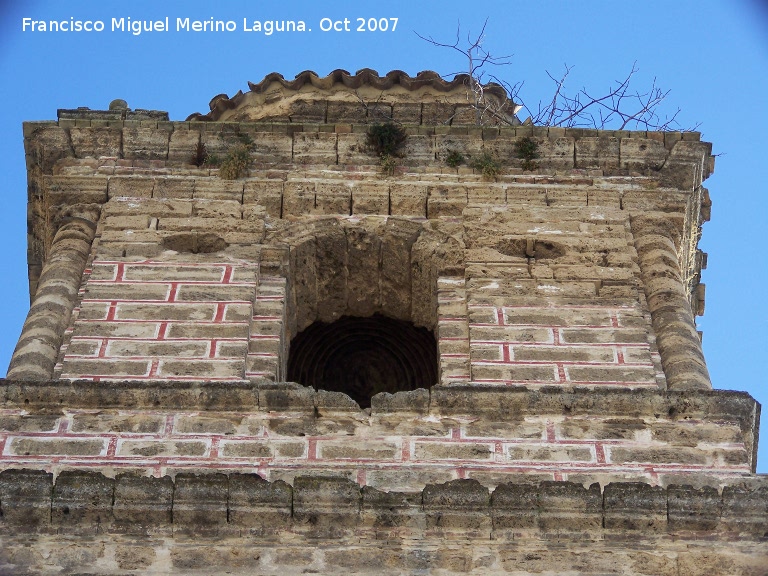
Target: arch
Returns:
[351, 266]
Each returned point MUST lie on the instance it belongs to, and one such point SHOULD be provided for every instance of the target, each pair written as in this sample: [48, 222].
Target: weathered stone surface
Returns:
[150, 375]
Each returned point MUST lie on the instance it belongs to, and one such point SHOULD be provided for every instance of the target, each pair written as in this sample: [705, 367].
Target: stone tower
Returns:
[256, 347]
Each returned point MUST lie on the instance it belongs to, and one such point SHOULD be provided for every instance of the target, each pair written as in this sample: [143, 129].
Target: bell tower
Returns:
[262, 341]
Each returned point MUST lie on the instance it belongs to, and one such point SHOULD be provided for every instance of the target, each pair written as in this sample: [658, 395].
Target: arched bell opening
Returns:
[362, 357]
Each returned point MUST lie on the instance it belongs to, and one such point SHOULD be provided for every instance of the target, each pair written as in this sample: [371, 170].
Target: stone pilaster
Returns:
[35, 355]
[676, 336]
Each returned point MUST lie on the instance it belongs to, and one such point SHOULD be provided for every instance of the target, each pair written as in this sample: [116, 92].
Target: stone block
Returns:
[436, 451]
[287, 396]
[157, 448]
[82, 503]
[370, 199]
[332, 198]
[353, 149]
[745, 510]
[459, 506]
[597, 152]
[409, 401]
[257, 506]
[446, 201]
[514, 507]
[95, 142]
[143, 504]
[568, 507]
[145, 143]
[272, 148]
[114, 422]
[200, 503]
[691, 509]
[57, 446]
[25, 497]
[549, 453]
[343, 450]
[325, 507]
[635, 506]
[642, 154]
[28, 423]
[314, 148]
[182, 146]
[408, 200]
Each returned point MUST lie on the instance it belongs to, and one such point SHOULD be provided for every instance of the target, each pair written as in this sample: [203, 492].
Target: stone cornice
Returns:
[218, 505]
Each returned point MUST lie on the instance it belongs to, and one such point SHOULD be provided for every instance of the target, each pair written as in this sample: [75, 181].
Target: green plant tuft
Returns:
[386, 139]
[528, 150]
[388, 164]
[488, 165]
[235, 164]
[200, 157]
[454, 158]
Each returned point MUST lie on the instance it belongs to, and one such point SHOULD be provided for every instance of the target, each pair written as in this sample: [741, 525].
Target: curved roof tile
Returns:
[365, 77]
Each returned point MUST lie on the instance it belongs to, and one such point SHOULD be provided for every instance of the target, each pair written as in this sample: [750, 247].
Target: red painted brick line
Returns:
[102, 349]
[120, 272]
[556, 336]
[565, 307]
[214, 448]
[227, 278]
[557, 476]
[551, 343]
[172, 292]
[179, 303]
[600, 453]
[550, 431]
[559, 363]
[112, 447]
[499, 317]
[220, 309]
[361, 477]
[112, 310]
[498, 451]
[124, 377]
[503, 382]
[620, 356]
[312, 450]
[547, 326]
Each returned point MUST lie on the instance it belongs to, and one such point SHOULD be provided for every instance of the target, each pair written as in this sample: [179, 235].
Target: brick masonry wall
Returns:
[193, 278]
[162, 320]
[383, 451]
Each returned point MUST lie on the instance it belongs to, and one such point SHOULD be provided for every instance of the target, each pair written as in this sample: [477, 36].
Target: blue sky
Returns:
[711, 55]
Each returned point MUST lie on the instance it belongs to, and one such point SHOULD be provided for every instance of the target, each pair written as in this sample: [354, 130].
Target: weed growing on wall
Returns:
[528, 150]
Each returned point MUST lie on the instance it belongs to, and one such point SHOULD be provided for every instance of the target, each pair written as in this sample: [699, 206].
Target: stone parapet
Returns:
[242, 523]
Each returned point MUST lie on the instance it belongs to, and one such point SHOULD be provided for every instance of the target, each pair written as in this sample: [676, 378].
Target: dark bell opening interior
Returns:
[364, 356]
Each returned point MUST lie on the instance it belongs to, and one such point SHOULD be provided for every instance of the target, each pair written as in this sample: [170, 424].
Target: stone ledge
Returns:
[481, 403]
[215, 505]
[492, 402]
